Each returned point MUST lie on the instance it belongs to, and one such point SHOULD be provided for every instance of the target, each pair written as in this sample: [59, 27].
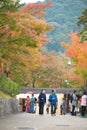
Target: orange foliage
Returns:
[77, 51]
[74, 38]
[36, 9]
[32, 27]
[77, 78]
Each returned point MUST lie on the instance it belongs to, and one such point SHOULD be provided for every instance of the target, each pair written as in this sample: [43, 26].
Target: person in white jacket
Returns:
[83, 104]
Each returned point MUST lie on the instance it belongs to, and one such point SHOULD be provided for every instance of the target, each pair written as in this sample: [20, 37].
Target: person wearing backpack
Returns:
[53, 101]
[74, 103]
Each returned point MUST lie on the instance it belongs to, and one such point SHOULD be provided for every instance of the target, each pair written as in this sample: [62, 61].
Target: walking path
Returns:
[26, 121]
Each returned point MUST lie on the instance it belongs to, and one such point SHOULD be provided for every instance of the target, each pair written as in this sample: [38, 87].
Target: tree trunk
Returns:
[33, 84]
[85, 84]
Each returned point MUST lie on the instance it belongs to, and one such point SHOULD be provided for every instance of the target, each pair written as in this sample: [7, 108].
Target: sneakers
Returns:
[83, 117]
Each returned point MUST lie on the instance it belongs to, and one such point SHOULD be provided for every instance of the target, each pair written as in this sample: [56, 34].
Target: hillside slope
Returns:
[63, 15]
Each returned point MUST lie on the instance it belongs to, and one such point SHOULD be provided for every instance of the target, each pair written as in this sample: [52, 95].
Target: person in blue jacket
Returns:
[42, 101]
[53, 102]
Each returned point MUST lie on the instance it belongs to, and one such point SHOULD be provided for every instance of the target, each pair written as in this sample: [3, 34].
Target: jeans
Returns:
[53, 108]
[83, 109]
[73, 110]
[41, 108]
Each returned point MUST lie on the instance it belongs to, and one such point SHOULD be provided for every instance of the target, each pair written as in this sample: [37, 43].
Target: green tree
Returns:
[82, 20]
[84, 36]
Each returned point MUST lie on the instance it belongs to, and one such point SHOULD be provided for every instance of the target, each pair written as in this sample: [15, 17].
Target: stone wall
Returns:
[8, 106]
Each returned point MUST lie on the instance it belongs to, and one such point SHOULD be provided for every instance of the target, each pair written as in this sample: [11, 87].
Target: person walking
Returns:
[27, 101]
[74, 103]
[42, 101]
[32, 104]
[53, 101]
[83, 104]
[63, 107]
[47, 107]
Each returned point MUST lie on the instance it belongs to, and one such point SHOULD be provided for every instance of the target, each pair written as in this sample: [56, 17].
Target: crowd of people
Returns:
[31, 103]
[77, 103]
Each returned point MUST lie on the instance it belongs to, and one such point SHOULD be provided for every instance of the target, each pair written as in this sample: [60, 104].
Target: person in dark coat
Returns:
[42, 101]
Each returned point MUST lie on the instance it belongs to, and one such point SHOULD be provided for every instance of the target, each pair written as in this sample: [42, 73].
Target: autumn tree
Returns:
[78, 52]
[28, 31]
[18, 25]
[53, 70]
[37, 10]
[7, 22]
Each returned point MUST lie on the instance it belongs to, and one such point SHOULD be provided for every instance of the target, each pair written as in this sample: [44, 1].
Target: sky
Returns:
[30, 1]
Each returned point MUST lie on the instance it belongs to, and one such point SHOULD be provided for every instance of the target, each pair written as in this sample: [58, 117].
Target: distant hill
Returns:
[63, 15]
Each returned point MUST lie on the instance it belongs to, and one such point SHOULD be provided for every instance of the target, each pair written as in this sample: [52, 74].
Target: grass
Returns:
[3, 95]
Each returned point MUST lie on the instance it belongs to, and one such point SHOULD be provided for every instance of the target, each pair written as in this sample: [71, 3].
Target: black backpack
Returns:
[71, 98]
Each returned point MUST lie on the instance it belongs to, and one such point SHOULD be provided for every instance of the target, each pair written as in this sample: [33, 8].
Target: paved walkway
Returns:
[26, 121]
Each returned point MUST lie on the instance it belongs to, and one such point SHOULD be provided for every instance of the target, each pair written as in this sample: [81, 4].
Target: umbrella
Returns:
[30, 92]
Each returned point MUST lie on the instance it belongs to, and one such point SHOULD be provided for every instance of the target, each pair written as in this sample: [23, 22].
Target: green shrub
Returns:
[8, 86]
[80, 90]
